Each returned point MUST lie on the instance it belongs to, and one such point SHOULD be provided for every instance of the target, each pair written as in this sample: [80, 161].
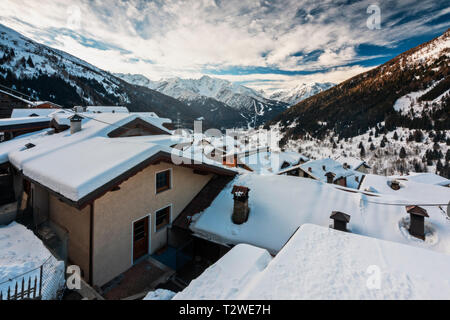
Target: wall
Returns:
[116, 211]
[77, 224]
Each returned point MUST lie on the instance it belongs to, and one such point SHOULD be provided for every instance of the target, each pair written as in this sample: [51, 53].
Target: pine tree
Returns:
[402, 153]
[382, 144]
[395, 136]
[30, 62]
[372, 147]
[363, 152]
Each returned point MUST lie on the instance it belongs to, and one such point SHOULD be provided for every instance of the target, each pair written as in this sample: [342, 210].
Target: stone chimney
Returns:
[241, 209]
[417, 225]
[340, 220]
[75, 123]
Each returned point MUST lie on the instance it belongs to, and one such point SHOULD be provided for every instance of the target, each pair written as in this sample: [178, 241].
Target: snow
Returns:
[281, 204]
[26, 120]
[23, 113]
[78, 177]
[321, 263]
[19, 143]
[352, 162]
[271, 162]
[427, 178]
[300, 92]
[333, 166]
[21, 252]
[222, 280]
[159, 295]
[105, 109]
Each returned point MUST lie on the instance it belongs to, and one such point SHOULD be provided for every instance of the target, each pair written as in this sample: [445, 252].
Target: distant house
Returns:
[10, 100]
[111, 187]
[330, 171]
[353, 164]
[13, 127]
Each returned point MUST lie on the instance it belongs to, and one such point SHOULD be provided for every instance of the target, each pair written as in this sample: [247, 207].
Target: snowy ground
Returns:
[20, 253]
[321, 263]
[160, 294]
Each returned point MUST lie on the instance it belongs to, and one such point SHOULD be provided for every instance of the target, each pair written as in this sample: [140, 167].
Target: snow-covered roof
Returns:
[19, 143]
[322, 263]
[409, 189]
[22, 113]
[352, 162]
[281, 204]
[74, 165]
[271, 162]
[19, 121]
[428, 178]
[106, 109]
[317, 171]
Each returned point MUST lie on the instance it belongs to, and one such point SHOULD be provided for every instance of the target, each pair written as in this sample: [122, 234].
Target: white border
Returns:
[170, 218]
[171, 181]
[149, 235]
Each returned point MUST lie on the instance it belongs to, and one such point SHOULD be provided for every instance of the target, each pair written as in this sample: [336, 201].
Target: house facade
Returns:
[110, 189]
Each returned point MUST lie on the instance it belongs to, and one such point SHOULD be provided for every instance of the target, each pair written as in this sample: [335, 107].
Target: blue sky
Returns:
[265, 44]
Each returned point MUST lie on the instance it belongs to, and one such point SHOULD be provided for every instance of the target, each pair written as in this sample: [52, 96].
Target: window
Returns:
[162, 218]
[163, 181]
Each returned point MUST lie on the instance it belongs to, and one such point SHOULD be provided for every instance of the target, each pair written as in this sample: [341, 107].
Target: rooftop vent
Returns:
[30, 146]
[324, 168]
[75, 123]
[417, 226]
[310, 169]
[241, 209]
[340, 220]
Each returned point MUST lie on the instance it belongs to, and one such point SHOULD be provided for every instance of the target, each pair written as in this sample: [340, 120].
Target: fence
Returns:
[45, 282]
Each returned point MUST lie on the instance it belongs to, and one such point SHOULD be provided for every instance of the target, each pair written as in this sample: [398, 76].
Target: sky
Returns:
[266, 45]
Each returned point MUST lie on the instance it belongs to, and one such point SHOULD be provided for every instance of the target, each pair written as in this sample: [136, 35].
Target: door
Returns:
[140, 238]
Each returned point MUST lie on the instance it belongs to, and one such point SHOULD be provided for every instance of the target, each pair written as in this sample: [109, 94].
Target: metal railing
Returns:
[45, 282]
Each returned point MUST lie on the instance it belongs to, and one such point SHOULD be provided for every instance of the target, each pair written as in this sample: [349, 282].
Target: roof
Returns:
[280, 204]
[17, 124]
[427, 178]
[418, 211]
[107, 109]
[340, 216]
[76, 118]
[352, 162]
[316, 170]
[338, 268]
[23, 113]
[83, 166]
[267, 162]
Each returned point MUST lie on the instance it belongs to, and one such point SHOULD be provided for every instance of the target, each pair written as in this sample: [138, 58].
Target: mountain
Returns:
[48, 74]
[250, 105]
[420, 76]
[300, 92]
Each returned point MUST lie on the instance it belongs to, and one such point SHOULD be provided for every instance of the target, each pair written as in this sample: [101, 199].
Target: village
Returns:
[146, 210]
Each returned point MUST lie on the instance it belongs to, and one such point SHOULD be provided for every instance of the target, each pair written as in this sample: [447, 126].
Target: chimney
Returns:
[78, 109]
[310, 169]
[417, 225]
[340, 220]
[324, 168]
[330, 177]
[75, 123]
[395, 185]
[241, 209]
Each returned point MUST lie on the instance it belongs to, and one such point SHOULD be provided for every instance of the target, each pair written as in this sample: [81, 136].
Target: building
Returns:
[112, 189]
[10, 100]
[319, 263]
[331, 171]
[354, 164]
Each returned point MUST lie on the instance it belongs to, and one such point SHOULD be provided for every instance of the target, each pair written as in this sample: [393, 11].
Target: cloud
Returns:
[165, 38]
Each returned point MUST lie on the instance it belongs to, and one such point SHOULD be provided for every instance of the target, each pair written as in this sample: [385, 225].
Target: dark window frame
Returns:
[168, 185]
[166, 221]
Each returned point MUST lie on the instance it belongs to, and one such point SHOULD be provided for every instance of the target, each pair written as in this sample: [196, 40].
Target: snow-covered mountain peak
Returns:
[300, 92]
